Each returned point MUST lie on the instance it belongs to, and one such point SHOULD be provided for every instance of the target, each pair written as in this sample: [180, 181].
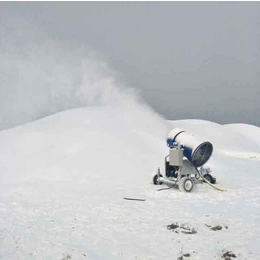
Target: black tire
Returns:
[209, 178]
[155, 180]
[186, 184]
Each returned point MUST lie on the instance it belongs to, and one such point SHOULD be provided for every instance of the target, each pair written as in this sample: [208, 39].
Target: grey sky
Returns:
[189, 59]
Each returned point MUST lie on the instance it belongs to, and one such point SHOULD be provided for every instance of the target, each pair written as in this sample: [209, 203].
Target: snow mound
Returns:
[248, 131]
[64, 179]
[97, 136]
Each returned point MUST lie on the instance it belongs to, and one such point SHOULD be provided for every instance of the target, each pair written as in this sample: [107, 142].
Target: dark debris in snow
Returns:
[228, 255]
[216, 228]
[172, 226]
[183, 256]
[184, 228]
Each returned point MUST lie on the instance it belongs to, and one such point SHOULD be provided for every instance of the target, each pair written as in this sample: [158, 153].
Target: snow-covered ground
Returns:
[64, 179]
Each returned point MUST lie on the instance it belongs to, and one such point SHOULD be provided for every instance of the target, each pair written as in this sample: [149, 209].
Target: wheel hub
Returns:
[188, 185]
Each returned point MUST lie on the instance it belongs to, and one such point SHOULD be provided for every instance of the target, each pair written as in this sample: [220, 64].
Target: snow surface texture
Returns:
[64, 177]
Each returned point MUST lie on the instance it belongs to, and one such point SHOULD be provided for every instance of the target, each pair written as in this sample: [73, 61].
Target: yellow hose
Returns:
[216, 188]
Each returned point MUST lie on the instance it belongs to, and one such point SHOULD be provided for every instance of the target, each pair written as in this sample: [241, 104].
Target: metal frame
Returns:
[175, 181]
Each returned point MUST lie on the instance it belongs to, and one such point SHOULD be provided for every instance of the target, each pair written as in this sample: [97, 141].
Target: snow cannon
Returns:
[184, 162]
[196, 151]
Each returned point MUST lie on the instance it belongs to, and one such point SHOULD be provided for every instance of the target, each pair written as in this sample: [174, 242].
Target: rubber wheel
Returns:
[186, 184]
[155, 180]
[209, 178]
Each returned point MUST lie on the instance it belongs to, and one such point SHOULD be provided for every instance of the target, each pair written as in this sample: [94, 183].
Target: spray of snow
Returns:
[40, 76]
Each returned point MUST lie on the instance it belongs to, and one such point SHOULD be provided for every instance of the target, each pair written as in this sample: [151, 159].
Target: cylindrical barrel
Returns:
[196, 151]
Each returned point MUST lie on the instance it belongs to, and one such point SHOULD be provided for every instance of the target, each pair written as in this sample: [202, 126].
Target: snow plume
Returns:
[40, 76]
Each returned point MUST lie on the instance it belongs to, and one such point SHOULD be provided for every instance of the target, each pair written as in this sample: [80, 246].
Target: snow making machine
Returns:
[184, 163]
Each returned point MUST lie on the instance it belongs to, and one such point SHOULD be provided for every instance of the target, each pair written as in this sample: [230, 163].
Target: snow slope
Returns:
[64, 177]
[248, 131]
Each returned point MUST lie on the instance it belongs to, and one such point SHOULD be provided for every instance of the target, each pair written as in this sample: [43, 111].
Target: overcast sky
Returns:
[188, 59]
